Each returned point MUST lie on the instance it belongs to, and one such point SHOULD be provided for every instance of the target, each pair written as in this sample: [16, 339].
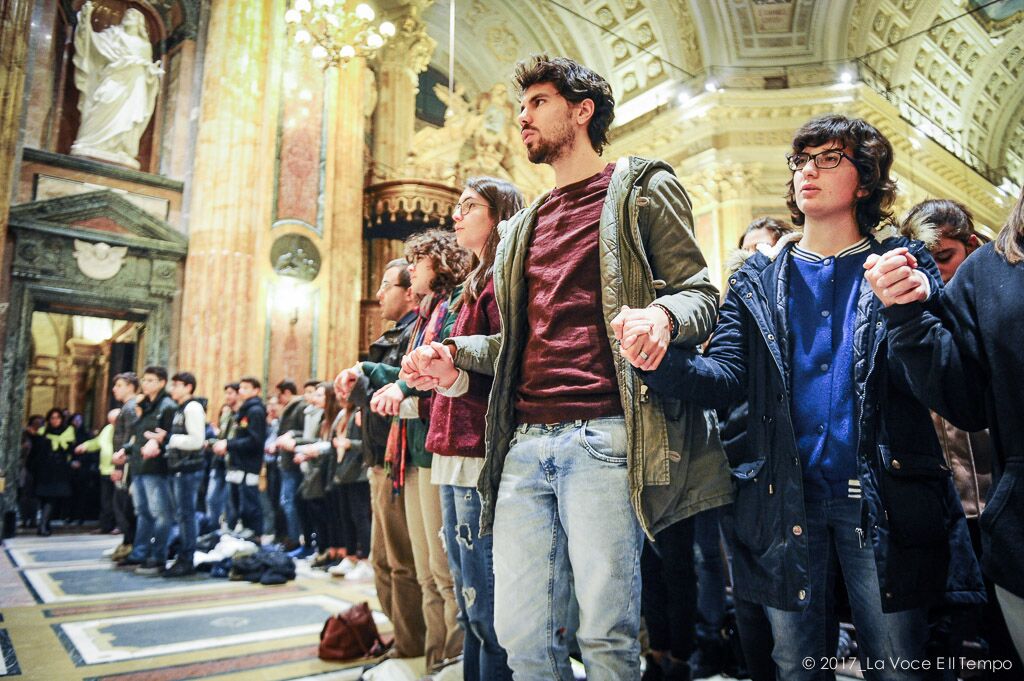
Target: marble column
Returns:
[230, 208]
[339, 342]
[14, 31]
[399, 65]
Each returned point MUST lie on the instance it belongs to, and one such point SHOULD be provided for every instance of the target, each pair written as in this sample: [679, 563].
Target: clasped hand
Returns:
[895, 279]
[643, 335]
[428, 367]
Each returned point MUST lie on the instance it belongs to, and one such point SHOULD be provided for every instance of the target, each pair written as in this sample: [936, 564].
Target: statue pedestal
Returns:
[100, 155]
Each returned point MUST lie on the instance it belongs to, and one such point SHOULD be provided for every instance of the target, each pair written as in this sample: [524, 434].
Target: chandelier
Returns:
[335, 32]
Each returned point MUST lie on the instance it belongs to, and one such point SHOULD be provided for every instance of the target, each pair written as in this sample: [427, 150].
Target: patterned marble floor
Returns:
[67, 613]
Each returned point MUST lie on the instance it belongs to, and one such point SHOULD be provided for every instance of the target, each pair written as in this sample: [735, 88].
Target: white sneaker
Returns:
[343, 568]
[360, 572]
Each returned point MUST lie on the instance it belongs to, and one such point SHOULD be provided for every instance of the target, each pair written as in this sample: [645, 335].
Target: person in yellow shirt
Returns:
[104, 444]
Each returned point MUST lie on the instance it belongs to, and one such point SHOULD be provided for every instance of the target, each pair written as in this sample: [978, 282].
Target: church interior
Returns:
[217, 185]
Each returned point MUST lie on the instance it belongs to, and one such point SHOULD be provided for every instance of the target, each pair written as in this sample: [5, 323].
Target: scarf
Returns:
[60, 441]
[396, 456]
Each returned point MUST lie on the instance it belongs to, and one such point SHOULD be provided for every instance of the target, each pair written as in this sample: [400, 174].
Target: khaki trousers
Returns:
[440, 611]
[394, 569]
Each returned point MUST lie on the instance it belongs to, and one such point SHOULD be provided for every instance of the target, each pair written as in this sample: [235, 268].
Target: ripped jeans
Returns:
[472, 567]
[567, 549]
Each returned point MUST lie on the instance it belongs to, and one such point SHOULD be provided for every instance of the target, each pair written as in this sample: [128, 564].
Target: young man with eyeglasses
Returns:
[394, 570]
[580, 460]
[844, 473]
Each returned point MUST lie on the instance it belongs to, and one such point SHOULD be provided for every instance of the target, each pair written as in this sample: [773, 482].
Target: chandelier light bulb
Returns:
[332, 20]
[387, 29]
[303, 6]
[302, 36]
[319, 52]
[374, 41]
[364, 12]
[321, 3]
[347, 52]
[293, 16]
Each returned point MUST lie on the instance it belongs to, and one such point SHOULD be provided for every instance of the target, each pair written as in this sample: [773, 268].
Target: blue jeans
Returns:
[154, 512]
[249, 510]
[185, 487]
[291, 478]
[216, 495]
[565, 534]
[833, 542]
[471, 562]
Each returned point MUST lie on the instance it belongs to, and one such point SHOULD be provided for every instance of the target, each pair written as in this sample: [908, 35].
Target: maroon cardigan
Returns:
[457, 423]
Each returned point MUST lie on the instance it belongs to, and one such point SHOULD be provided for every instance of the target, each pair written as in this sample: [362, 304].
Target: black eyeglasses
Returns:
[464, 207]
[823, 160]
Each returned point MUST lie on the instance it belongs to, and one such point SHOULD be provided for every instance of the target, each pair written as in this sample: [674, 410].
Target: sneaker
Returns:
[121, 551]
[326, 559]
[109, 552]
[360, 572]
[301, 552]
[180, 569]
[343, 568]
[151, 568]
[130, 561]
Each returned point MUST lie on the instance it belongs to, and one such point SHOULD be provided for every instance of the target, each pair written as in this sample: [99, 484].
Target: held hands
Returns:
[151, 449]
[302, 453]
[895, 279]
[159, 434]
[643, 335]
[387, 400]
[119, 458]
[346, 381]
[428, 367]
[116, 476]
[80, 449]
[220, 447]
[286, 442]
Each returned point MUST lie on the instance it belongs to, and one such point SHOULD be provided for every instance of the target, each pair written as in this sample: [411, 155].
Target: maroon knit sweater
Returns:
[457, 424]
[568, 370]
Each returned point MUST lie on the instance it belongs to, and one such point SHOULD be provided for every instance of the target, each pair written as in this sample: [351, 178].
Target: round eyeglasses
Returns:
[464, 207]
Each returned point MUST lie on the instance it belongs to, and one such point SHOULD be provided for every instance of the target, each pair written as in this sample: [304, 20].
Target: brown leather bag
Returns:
[351, 635]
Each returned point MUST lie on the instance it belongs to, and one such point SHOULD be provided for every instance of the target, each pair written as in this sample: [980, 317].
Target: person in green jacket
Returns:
[581, 460]
[104, 444]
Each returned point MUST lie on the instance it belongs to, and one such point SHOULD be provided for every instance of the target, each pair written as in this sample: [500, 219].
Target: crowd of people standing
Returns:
[567, 419]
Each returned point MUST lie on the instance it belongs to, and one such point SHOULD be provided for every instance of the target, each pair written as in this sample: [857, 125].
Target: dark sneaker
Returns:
[130, 561]
[180, 569]
[151, 568]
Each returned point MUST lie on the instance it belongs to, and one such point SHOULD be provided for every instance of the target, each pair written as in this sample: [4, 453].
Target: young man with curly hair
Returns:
[844, 474]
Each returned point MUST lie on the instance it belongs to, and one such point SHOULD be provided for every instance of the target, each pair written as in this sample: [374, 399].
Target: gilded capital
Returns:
[411, 48]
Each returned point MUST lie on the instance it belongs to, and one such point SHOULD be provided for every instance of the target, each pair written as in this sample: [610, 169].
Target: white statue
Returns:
[117, 83]
[99, 261]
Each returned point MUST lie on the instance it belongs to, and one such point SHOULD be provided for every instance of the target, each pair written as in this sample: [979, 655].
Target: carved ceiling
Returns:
[966, 76]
